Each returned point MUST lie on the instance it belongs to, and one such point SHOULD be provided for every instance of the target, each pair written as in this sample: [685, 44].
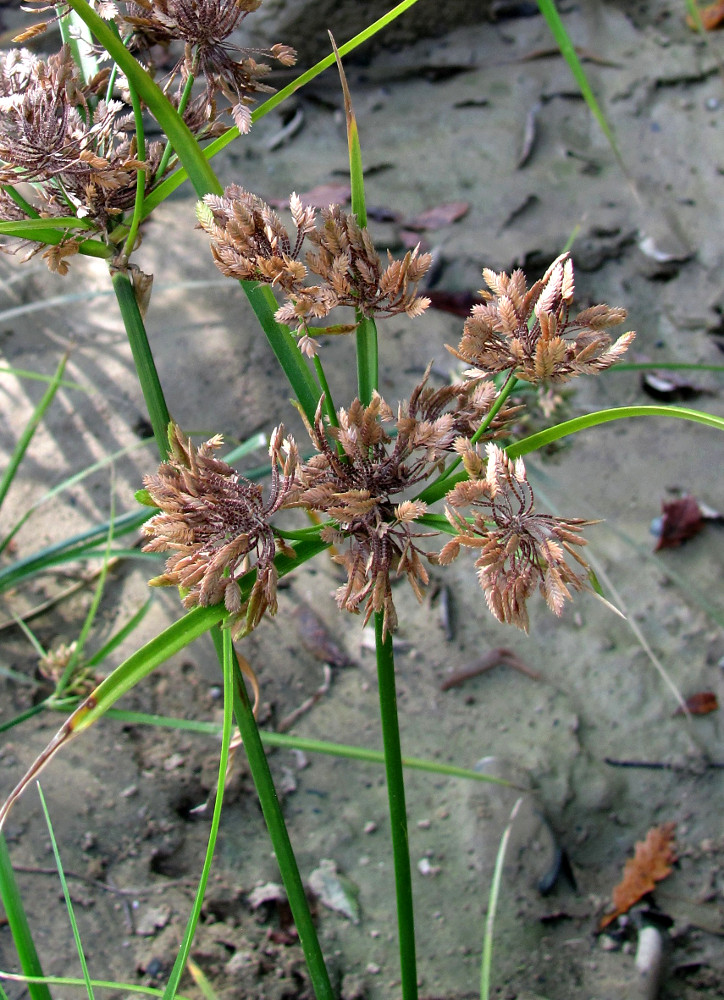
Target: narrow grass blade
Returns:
[27, 436]
[46, 234]
[288, 742]
[185, 949]
[564, 43]
[487, 958]
[66, 896]
[366, 335]
[99, 984]
[646, 366]
[77, 654]
[32, 229]
[205, 987]
[542, 438]
[533, 442]
[19, 927]
[38, 377]
[17, 720]
[131, 625]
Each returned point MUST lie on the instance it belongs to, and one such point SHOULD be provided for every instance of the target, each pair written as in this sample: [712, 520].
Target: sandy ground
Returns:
[440, 121]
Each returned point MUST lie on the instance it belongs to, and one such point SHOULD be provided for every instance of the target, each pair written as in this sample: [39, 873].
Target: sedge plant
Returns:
[79, 176]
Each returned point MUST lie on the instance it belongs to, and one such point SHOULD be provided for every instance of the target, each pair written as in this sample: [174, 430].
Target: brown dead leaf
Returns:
[681, 520]
[650, 864]
[700, 703]
[439, 216]
[711, 17]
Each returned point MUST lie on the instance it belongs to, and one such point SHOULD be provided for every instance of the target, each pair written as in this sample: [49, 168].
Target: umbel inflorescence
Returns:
[250, 242]
[75, 140]
[370, 463]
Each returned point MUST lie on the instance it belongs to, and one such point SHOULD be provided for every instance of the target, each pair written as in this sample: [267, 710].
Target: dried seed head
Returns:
[215, 522]
[360, 472]
[519, 548]
[530, 332]
[249, 242]
[204, 28]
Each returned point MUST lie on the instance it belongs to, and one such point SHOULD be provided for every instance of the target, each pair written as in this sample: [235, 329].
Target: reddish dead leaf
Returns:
[650, 864]
[681, 520]
[711, 16]
[700, 703]
[439, 216]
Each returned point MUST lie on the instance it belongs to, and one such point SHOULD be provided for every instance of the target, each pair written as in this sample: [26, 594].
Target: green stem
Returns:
[6, 480]
[168, 151]
[276, 826]
[140, 176]
[398, 811]
[367, 358]
[179, 965]
[142, 358]
[18, 923]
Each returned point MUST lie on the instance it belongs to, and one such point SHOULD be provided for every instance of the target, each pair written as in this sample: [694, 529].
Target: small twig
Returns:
[659, 765]
[106, 886]
[487, 662]
[288, 721]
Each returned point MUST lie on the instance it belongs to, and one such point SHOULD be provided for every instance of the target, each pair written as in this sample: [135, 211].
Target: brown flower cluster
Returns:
[249, 242]
[519, 548]
[215, 522]
[360, 473]
[71, 146]
[529, 330]
[151, 28]
[204, 27]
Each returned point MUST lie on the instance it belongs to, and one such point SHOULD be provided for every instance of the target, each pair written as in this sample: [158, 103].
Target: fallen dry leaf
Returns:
[700, 703]
[711, 16]
[650, 864]
[439, 216]
[681, 520]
